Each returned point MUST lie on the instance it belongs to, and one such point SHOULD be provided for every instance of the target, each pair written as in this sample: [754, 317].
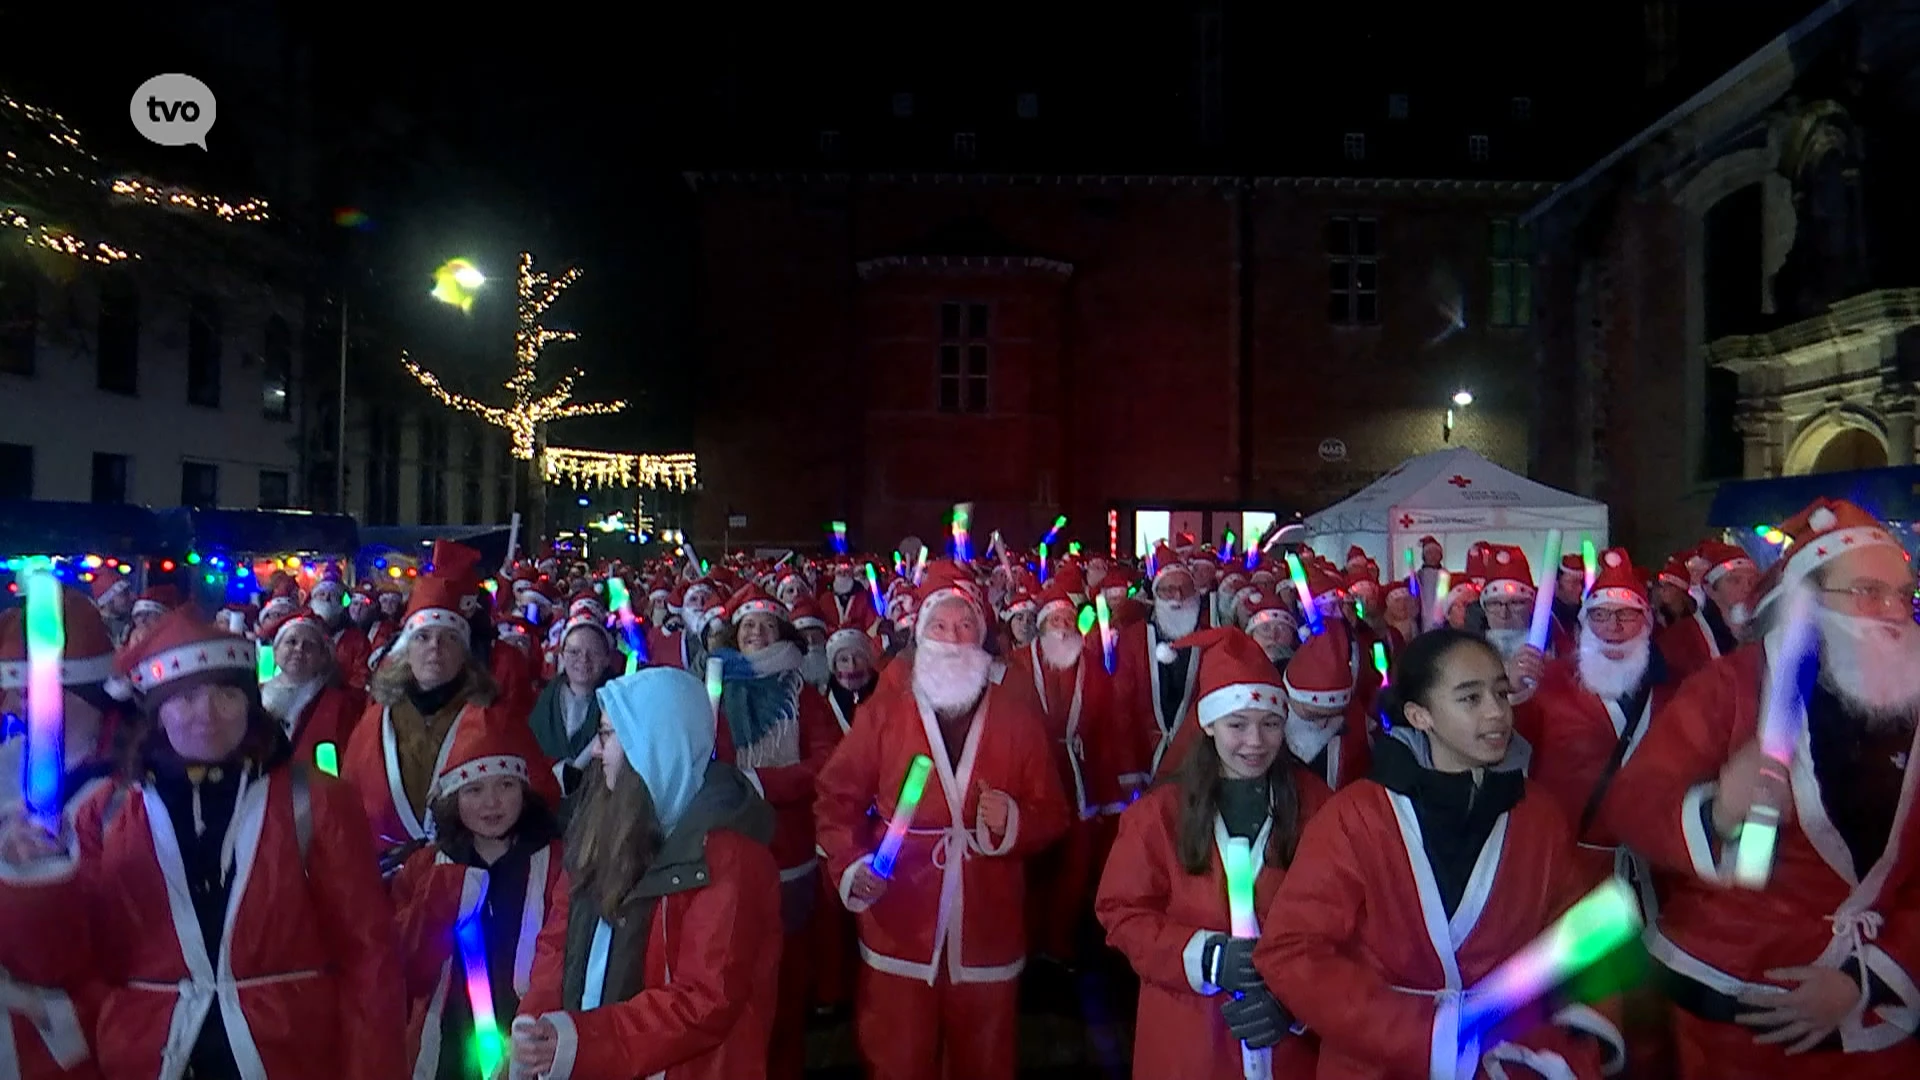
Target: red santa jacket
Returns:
[910, 931]
[517, 674]
[40, 905]
[1815, 910]
[1349, 757]
[328, 717]
[1090, 748]
[372, 766]
[789, 789]
[352, 653]
[306, 977]
[712, 972]
[666, 649]
[1159, 916]
[1573, 734]
[851, 612]
[1158, 741]
[1358, 945]
[1688, 645]
[430, 894]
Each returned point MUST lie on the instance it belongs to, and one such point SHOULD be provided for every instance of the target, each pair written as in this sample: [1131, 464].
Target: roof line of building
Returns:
[1769, 53]
[696, 178]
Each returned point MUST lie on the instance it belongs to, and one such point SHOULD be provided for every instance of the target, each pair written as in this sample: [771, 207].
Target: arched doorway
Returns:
[1850, 449]
[1837, 442]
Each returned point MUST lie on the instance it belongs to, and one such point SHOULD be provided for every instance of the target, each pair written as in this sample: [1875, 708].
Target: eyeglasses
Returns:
[1507, 607]
[1876, 597]
[1616, 617]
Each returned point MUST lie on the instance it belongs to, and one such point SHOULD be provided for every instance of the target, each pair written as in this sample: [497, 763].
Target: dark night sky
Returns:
[465, 131]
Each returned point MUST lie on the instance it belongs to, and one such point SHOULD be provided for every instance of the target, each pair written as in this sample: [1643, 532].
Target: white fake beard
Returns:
[1307, 738]
[951, 677]
[695, 620]
[1873, 666]
[815, 669]
[1608, 678]
[1059, 649]
[842, 585]
[1506, 642]
[1175, 621]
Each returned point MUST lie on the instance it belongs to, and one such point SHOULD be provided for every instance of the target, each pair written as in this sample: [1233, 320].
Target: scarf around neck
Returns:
[760, 697]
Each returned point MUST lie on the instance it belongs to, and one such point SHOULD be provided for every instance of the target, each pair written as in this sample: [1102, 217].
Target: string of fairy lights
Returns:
[32, 168]
[591, 469]
[530, 409]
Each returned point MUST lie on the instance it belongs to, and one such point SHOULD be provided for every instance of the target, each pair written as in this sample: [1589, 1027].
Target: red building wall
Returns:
[1137, 325]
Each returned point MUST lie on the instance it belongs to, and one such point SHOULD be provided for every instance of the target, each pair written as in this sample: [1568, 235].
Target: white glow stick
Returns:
[1537, 635]
[1780, 729]
[1236, 858]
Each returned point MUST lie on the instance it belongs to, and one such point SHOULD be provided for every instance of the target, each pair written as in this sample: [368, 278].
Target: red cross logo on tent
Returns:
[1460, 481]
[1406, 521]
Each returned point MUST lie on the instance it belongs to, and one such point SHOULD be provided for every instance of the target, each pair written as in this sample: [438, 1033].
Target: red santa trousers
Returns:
[1710, 1051]
[908, 1030]
[787, 1043]
[835, 952]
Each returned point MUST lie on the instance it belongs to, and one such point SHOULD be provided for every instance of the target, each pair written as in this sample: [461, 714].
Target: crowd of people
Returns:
[609, 823]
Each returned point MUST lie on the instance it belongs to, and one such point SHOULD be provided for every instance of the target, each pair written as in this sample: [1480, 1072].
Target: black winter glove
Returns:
[1227, 962]
[1256, 1018]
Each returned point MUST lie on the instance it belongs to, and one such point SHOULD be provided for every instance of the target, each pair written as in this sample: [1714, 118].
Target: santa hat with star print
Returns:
[86, 658]
[490, 747]
[107, 585]
[182, 651]
[1235, 674]
[1825, 530]
[1320, 675]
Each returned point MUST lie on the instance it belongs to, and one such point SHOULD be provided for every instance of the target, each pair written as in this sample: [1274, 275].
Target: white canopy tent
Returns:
[1457, 497]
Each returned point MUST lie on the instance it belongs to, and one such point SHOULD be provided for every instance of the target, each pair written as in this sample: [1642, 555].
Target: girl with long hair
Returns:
[1163, 898]
[494, 868]
[1411, 885]
[660, 954]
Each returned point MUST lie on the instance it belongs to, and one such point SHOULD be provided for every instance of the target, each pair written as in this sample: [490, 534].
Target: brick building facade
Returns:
[879, 346]
[1730, 294]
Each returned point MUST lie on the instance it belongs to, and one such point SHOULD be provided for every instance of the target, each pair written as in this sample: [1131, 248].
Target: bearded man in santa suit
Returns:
[351, 648]
[1716, 625]
[1814, 973]
[1590, 715]
[1327, 708]
[1507, 600]
[941, 937]
[846, 603]
[1069, 677]
[1152, 680]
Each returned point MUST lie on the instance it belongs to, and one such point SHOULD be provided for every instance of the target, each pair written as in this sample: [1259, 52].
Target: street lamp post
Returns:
[1460, 400]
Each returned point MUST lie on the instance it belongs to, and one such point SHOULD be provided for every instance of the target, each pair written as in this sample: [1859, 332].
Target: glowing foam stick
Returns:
[1537, 636]
[46, 697]
[264, 663]
[1780, 728]
[902, 820]
[1437, 612]
[1380, 660]
[1043, 562]
[873, 587]
[1073, 547]
[1605, 919]
[1105, 619]
[622, 601]
[920, 566]
[1413, 565]
[488, 1047]
[1308, 610]
[1589, 563]
[1236, 858]
[1226, 547]
[899, 565]
[326, 758]
[962, 540]
[1054, 533]
[840, 537]
[715, 683]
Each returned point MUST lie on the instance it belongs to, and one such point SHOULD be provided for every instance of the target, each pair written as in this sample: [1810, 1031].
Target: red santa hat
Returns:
[1463, 591]
[329, 585]
[183, 650]
[277, 610]
[1508, 575]
[1235, 674]
[1265, 607]
[1054, 595]
[1073, 580]
[753, 600]
[1356, 554]
[849, 640]
[1476, 568]
[482, 750]
[1574, 564]
[1424, 542]
[586, 601]
[1393, 587]
[1020, 601]
[86, 659]
[296, 622]
[805, 615]
[1675, 573]
[157, 600]
[435, 600]
[107, 584]
[1166, 562]
[1320, 675]
[900, 610]
[947, 582]
[1617, 584]
[516, 631]
[1723, 558]
[1825, 530]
